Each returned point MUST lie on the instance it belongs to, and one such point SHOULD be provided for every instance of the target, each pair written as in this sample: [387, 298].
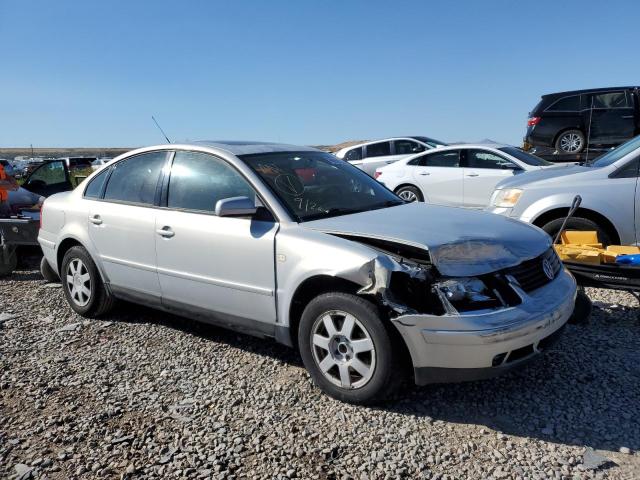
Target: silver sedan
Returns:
[294, 244]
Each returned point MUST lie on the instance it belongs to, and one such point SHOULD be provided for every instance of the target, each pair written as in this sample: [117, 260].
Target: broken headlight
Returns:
[464, 294]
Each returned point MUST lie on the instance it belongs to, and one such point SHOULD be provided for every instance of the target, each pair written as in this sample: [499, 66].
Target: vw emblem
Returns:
[547, 269]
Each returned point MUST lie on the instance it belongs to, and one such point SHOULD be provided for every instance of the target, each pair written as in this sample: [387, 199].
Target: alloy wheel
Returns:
[571, 143]
[78, 282]
[408, 196]
[343, 349]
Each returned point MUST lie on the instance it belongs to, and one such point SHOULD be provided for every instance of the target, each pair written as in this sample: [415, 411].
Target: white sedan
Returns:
[458, 175]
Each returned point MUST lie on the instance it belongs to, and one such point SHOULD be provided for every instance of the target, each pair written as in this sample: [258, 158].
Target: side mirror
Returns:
[235, 206]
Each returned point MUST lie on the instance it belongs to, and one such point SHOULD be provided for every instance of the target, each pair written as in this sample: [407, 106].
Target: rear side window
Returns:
[450, 158]
[199, 180]
[566, 104]
[407, 147]
[610, 100]
[135, 180]
[94, 188]
[353, 154]
[379, 149]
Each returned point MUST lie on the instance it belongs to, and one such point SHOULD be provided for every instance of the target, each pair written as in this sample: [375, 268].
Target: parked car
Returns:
[100, 162]
[608, 187]
[291, 243]
[457, 175]
[607, 116]
[371, 155]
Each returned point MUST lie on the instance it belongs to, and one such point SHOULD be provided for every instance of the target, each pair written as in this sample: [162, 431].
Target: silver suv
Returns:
[291, 243]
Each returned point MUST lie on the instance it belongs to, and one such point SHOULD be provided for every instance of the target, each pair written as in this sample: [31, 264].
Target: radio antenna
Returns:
[160, 128]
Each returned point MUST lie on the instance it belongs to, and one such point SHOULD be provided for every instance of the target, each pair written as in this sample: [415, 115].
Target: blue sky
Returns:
[88, 73]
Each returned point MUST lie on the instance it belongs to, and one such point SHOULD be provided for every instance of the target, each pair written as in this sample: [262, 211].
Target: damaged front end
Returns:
[405, 280]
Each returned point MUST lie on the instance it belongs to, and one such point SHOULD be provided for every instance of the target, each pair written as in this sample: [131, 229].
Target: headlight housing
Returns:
[507, 198]
[465, 294]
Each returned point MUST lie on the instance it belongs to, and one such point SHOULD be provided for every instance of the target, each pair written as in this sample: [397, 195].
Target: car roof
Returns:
[356, 145]
[237, 147]
[587, 90]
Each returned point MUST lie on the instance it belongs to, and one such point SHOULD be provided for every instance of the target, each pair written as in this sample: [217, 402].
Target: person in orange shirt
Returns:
[7, 184]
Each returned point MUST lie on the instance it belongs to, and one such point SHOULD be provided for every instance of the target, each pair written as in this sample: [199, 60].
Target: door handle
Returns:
[165, 232]
[424, 173]
[473, 175]
[96, 220]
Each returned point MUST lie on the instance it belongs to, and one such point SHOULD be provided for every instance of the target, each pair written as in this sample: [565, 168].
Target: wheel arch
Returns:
[566, 129]
[307, 291]
[408, 184]
[587, 213]
[64, 247]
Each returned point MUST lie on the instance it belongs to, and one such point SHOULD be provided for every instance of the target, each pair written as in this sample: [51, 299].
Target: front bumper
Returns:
[474, 345]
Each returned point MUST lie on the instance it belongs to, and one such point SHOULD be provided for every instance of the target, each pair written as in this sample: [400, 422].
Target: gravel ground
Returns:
[147, 395]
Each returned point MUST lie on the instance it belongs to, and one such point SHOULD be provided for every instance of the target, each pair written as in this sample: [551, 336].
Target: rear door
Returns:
[49, 178]
[122, 224]
[376, 155]
[483, 169]
[439, 176]
[612, 117]
[219, 268]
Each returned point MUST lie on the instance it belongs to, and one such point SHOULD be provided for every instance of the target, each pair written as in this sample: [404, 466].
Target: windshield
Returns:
[313, 185]
[525, 157]
[617, 153]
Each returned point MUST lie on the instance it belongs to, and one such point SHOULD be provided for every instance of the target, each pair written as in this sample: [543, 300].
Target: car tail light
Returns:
[533, 121]
[377, 174]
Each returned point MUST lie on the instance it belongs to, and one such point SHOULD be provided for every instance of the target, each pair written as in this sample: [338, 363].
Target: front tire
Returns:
[347, 349]
[577, 223]
[409, 194]
[571, 141]
[82, 284]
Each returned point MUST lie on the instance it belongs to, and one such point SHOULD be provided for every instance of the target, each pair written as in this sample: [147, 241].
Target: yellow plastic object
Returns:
[608, 257]
[623, 249]
[576, 237]
[579, 253]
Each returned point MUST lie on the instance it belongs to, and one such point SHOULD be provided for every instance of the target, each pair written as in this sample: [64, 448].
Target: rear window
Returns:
[353, 154]
[566, 104]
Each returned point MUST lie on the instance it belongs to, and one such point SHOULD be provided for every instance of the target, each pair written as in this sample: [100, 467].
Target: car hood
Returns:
[460, 242]
[543, 174]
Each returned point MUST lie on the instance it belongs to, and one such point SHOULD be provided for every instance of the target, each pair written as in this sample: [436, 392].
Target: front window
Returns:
[525, 157]
[617, 153]
[484, 159]
[407, 147]
[313, 185]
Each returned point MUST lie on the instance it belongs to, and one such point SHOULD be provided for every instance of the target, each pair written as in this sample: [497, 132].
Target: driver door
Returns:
[221, 269]
[49, 178]
[483, 169]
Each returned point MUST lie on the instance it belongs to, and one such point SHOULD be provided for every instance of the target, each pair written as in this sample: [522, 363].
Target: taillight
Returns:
[377, 174]
[533, 121]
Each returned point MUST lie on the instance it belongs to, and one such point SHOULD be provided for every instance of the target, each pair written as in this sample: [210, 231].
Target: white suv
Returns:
[371, 155]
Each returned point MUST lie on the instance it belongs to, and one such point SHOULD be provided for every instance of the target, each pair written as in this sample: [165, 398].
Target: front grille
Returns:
[531, 275]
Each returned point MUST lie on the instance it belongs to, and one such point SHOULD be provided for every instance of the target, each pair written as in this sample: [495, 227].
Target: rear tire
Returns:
[577, 223]
[83, 285]
[347, 349]
[571, 141]
[48, 273]
[409, 194]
